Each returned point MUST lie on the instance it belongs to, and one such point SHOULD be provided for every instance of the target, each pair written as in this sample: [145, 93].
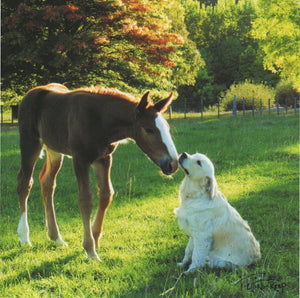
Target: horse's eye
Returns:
[149, 131]
[199, 163]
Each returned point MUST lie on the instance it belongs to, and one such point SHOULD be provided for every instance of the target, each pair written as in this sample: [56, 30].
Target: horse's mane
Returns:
[59, 88]
[109, 91]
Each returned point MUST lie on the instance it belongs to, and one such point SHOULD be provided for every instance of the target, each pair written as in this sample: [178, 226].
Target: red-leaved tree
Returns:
[116, 43]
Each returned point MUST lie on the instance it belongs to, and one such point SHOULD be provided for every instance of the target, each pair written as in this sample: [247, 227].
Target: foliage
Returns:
[127, 44]
[248, 91]
[257, 169]
[198, 47]
[223, 35]
[204, 88]
[9, 97]
[277, 28]
[285, 91]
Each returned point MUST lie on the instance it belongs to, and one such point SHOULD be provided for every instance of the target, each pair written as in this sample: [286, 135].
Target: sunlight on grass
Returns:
[292, 149]
[257, 169]
[10, 153]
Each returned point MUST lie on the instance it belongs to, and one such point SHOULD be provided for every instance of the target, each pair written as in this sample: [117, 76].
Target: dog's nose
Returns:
[182, 157]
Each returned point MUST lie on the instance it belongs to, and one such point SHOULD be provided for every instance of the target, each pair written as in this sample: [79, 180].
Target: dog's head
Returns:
[200, 169]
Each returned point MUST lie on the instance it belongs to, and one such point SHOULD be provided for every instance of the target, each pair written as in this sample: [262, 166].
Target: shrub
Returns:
[286, 90]
[9, 97]
[248, 91]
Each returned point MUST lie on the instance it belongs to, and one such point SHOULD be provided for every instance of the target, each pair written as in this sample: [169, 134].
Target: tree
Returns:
[126, 44]
[277, 29]
[184, 73]
[223, 35]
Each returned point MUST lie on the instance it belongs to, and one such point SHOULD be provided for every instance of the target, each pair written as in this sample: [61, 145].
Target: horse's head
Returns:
[152, 133]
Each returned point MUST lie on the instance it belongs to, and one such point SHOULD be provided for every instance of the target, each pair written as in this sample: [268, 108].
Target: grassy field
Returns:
[256, 161]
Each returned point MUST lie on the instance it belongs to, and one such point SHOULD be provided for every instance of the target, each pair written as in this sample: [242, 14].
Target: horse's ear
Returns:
[145, 101]
[163, 104]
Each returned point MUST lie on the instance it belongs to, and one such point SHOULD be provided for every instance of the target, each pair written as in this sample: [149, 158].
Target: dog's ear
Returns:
[211, 186]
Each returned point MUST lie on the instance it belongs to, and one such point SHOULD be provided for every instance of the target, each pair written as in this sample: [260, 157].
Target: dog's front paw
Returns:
[180, 264]
[193, 268]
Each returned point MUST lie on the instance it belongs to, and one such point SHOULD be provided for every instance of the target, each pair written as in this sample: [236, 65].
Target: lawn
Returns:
[257, 168]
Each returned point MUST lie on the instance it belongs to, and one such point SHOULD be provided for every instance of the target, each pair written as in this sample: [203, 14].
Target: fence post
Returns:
[260, 107]
[277, 106]
[244, 106]
[14, 112]
[269, 104]
[218, 100]
[1, 111]
[253, 107]
[286, 105]
[295, 105]
[234, 106]
[170, 112]
[201, 107]
[185, 108]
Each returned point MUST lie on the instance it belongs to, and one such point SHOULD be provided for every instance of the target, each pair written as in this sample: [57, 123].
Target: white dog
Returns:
[218, 235]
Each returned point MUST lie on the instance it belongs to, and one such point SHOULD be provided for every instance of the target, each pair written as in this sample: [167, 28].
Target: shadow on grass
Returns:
[43, 270]
[274, 223]
[272, 210]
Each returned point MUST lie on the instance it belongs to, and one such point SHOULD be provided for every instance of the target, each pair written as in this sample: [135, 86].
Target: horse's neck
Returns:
[124, 120]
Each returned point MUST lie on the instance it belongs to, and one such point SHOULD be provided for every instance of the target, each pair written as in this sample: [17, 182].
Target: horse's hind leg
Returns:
[102, 172]
[47, 180]
[30, 151]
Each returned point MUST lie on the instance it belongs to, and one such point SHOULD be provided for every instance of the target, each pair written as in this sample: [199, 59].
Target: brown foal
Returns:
[87, 125]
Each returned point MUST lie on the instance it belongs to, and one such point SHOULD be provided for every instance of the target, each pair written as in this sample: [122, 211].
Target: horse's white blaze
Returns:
[23, 229]
[163, 127]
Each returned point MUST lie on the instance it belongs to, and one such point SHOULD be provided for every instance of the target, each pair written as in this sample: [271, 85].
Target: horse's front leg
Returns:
[102, 171]
[85, 200]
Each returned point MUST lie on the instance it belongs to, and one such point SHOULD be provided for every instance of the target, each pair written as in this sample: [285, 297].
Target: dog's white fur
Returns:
[218, 235]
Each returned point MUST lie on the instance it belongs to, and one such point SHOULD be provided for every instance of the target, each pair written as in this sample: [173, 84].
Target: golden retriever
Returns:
[219, 237]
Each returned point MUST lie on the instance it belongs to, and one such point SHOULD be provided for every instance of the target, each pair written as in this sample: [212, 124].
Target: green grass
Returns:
[256, 161]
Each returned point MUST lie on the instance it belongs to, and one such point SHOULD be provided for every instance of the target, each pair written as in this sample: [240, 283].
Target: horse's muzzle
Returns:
[169, 166]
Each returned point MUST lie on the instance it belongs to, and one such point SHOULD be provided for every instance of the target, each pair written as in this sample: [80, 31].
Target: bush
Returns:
[285, 90]
[9, 97]
[248, 91]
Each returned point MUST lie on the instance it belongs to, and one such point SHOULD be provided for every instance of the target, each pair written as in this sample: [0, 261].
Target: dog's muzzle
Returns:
[182, 157]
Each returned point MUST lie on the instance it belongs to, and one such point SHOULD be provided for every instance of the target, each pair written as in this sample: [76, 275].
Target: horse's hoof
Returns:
[25, 243]
[60, 242]
[93, 256]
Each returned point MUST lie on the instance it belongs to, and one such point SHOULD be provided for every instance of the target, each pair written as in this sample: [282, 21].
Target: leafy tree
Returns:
[277, 29]
[126, 44]
[286, 92]
[226, 62]
[251, 67]
[223, 35]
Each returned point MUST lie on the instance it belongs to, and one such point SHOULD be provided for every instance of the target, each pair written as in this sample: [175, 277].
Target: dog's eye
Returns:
[199, 163]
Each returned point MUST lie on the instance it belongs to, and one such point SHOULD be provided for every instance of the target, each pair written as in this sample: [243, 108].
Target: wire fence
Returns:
[191, 108]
